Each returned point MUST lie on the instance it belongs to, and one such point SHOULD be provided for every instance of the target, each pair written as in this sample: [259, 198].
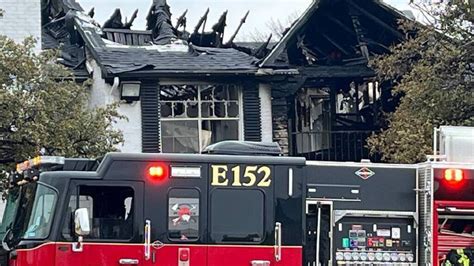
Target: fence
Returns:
[332, 145]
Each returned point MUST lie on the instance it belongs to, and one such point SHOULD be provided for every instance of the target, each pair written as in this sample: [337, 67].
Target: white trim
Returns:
[290, 182]
[266, 120]
[363, 164]
[437, 165]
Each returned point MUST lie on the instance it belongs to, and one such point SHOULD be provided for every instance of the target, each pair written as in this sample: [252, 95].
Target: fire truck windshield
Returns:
[29, 214]
[11, 206]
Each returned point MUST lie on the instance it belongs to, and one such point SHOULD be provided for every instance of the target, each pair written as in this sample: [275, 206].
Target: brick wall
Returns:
[280, 123]
[20, 19]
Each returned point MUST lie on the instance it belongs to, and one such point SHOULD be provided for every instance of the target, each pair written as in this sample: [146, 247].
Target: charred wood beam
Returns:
[182, 20]
[375, 19]
[307, 52]
[201, 22]
[335, 44]
[360, 35]
[115, 21]
[219, 29]
[91, 12]
[261, 52]
[128, 24]
[242, 21]
[342, 25]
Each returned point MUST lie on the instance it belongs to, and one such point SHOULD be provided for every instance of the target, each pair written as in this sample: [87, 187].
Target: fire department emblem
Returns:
[184, 213]
[364, 173]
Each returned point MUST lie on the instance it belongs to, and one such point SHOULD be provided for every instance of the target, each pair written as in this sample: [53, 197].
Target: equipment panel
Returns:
[368, 240]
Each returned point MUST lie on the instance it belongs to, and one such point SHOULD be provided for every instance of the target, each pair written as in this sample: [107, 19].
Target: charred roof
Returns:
[329, 39]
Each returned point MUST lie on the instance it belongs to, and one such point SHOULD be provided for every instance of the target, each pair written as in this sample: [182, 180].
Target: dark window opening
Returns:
[110, 210]
[237, 216]
[183, 215]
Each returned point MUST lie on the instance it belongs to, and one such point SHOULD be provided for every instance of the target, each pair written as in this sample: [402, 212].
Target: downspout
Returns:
[114, 85]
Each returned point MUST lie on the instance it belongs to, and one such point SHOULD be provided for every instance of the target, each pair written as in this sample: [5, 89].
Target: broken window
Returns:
[350, 100]
[195, 116]
[313, 121]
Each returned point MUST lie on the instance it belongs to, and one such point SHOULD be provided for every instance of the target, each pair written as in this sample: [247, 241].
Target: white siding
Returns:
[265, 93]
[21, 19]
[102, 94]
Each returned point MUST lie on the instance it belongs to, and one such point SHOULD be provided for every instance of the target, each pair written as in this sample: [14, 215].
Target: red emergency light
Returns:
[453, 175]
[157, 172]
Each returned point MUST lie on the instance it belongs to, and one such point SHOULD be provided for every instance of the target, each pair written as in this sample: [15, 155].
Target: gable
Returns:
[338, 32]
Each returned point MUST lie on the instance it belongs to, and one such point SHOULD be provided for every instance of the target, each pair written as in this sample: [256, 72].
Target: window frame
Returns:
[264, 221]
[137, 222]
[199, 118]
[53, 213]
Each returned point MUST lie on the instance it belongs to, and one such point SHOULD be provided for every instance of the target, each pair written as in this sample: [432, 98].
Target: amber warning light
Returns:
[157, 172]
[453, 175]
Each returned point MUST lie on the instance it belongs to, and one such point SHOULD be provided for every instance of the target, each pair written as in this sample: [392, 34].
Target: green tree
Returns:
[44, 111]
[433, 72]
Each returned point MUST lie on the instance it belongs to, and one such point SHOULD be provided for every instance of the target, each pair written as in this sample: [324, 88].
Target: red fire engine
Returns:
[248, 208]
[446, 199]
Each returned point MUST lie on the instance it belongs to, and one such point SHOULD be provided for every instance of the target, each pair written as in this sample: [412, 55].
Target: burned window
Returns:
[237, 216]
[110, 212]
[349, 100]
[195, 116]
[183, 215]
[313, 123]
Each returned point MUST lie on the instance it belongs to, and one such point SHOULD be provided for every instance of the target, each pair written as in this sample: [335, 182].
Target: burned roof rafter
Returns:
[242, 22]
[375, 19]
[364, 34]
[115, 21]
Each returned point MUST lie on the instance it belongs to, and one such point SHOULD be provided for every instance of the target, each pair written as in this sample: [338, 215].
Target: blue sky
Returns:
[261, 11]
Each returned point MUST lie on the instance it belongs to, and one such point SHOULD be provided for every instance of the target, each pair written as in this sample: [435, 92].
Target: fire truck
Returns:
[446, 199]
[239, 204]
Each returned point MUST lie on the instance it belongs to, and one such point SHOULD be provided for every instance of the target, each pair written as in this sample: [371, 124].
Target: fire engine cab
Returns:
[157, 209]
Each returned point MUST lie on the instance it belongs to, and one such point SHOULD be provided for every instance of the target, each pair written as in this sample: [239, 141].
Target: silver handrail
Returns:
[277, 241]
[147, 239]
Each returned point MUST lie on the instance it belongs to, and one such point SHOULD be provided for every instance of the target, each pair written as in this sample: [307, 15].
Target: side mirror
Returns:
[81, 222]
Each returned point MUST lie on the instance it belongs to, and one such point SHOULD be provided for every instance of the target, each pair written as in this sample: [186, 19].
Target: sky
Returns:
[261, 12]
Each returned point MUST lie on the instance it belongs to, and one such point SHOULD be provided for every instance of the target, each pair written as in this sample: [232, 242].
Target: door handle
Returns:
[128, 262]
[277, 247]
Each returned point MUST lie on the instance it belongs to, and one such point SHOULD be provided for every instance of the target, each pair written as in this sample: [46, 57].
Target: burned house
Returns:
[178, 96]
[181, 90]
[334, 102]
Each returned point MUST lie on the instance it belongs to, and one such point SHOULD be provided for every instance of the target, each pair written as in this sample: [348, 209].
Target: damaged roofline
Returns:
[296, 27]
[153, 74]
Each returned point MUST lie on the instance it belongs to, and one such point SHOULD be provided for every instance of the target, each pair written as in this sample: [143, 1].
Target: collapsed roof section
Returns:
[160, 50]
[338, 33]
[331, 39]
